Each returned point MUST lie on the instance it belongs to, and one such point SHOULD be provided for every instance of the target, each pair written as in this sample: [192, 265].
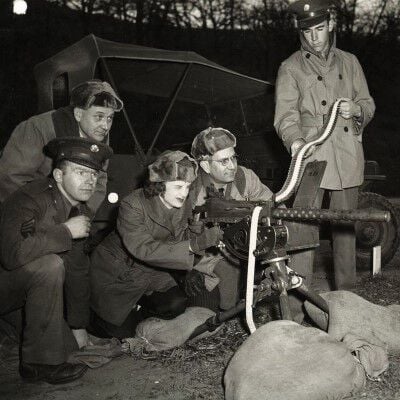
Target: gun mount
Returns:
[269, 248]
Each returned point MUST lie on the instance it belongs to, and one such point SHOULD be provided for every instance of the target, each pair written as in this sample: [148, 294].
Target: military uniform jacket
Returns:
[23, 161]
[32, 224]
[307, 85]
[148, 238]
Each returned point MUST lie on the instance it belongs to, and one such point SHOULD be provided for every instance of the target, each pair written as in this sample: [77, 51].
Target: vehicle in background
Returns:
[169, 97]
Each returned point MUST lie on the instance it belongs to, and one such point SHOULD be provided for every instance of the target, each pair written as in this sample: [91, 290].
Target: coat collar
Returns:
[306, 48]
[63, 205]
[157, 211]
[203, 182]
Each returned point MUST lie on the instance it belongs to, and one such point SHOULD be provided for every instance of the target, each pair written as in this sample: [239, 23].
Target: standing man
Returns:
[308, 83]
[42, 231]
[89, 115]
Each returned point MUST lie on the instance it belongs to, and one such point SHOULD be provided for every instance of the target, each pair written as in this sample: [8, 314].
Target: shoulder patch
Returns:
[28, 228]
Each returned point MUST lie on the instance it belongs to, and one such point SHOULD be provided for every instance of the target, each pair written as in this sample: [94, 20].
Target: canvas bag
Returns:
[283, 360]
[156, 334]
[350, 313]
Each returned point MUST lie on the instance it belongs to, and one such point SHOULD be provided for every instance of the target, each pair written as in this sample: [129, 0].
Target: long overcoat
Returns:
[130, 262]
[307, 85]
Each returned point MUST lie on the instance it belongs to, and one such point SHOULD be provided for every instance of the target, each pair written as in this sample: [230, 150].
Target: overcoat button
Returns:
[308, 55]
[323, 102]
[319, 77]
[340, 76]
[346, 129]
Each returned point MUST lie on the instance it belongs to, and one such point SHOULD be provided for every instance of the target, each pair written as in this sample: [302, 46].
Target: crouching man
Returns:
[214, 149]
[42, 232]
[131, 266]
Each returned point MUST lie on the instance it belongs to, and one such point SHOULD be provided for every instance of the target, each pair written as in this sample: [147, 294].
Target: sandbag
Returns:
[350, 313]
[283, 360]
[155, 334]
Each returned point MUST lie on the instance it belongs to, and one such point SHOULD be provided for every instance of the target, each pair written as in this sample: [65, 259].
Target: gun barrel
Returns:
[320, 215]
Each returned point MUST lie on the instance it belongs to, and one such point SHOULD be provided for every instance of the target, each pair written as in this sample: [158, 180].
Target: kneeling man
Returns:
[42, 232]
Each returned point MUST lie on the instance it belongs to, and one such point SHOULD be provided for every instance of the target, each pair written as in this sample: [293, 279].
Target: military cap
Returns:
[310, 12]
[173, 166]
[85, 94]
[79, 150]
[211, 140]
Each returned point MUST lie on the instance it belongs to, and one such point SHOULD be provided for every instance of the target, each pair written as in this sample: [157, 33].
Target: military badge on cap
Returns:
[80, 151]
[310, 12]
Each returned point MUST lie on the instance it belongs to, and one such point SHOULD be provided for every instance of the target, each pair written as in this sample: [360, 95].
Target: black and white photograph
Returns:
[200, 199]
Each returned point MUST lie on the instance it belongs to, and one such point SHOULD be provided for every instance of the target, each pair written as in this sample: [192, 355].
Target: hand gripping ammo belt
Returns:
[298, 161]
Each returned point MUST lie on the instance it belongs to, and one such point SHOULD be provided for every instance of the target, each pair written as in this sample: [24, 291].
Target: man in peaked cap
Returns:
[307, 85]
[42, 233]
[89, 115]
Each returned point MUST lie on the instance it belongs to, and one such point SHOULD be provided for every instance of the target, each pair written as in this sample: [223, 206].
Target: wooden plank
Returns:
[376, 261]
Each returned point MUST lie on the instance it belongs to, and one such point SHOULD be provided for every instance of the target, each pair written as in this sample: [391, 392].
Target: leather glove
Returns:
[193, 283]
[210, 237]
[196, 227]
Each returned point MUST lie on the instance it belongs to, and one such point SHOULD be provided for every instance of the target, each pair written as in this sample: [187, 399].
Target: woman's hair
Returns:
[151, 189]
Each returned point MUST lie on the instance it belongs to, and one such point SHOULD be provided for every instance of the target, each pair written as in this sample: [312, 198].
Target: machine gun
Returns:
[256, 232]
[272, 236]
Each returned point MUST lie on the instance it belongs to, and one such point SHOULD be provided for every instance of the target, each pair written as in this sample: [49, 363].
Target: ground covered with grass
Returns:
[196, 369]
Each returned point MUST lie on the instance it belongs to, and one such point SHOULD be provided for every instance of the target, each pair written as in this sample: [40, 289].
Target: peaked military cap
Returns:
[173, 166]
[85, 94]
[211, 140]
[79, 150]
[310, 12]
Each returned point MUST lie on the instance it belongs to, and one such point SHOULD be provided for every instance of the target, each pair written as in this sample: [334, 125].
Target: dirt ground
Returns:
[195, 370]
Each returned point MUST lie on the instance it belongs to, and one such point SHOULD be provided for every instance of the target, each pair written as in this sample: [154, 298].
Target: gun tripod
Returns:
[278, 278]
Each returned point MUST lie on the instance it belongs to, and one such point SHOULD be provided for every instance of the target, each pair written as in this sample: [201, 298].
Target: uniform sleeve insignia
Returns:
[28, 228]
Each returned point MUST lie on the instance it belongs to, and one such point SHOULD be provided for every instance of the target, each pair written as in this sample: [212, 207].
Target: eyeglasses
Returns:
[225, 161]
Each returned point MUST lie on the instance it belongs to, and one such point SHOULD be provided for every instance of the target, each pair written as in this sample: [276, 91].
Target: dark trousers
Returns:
[164, 305]
[76, 285]
[343, 237]
[343, 246]
[37, 287]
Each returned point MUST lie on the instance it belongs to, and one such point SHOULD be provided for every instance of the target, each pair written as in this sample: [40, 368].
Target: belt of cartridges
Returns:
[298, 161]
